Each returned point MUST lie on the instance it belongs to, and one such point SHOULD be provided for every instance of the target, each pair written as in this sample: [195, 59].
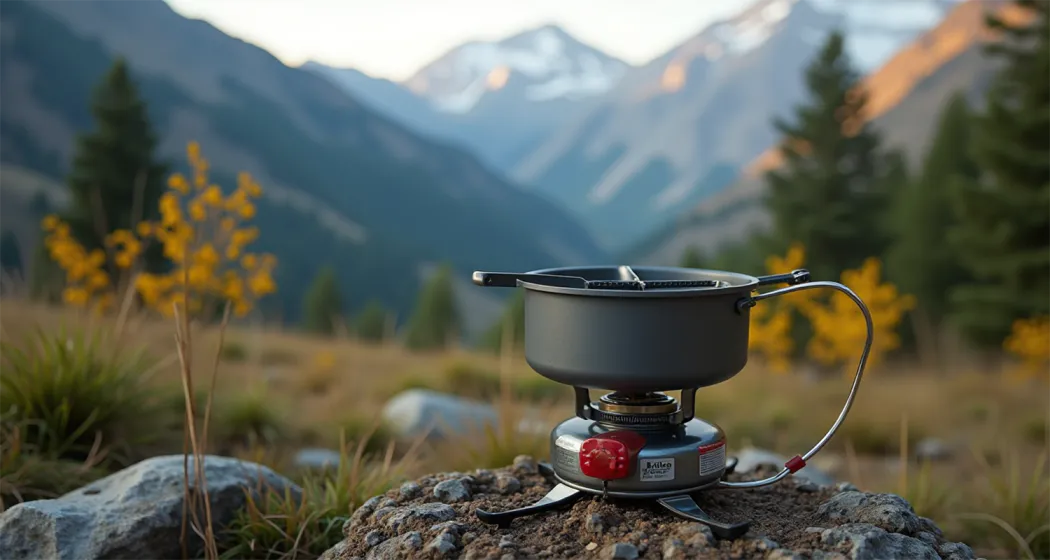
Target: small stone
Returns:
[591, 546]
[783, 554]
[409, 490]
[525, 464]
[846, 487]
[638, 536]
[814, 530]
[453, 490]
[383, 512]
[674, 549]
[621, 551]
[507, 484]
[364, 511]
[697, 535]
[955, 551]
[807, 487]
[595, 523]
[451, 526]
[443, 544]
[468, 537]
[388, 503]
[374, 537]
[765, 543]
[933, 449]
[927, 524]
[927, 537]
[507, 541]
[412, 540]
[508, 556]
[825, 555]
[431, 511]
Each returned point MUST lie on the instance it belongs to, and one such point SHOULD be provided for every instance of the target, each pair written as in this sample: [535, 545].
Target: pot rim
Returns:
[738, 283]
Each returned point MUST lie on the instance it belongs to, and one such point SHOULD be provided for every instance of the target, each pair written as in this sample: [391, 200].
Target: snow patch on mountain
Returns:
[552, 64]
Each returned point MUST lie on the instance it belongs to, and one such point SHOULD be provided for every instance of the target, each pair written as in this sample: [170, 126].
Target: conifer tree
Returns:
[115, 179]
[323, 304]
[436, 319]
[10, 253]
[692, 258]
[920, 261]
[830, 194]
[513, 317]
[1003, 232]
[371, 323]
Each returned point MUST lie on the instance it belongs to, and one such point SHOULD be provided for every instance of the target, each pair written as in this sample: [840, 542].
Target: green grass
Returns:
[71, 392]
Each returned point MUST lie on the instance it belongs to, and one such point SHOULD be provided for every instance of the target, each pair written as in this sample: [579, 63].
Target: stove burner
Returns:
[644, 409]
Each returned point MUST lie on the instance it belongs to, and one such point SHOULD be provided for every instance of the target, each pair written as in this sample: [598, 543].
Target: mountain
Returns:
[905, 98]
[680, 128]
[343, 184]
[496, 99]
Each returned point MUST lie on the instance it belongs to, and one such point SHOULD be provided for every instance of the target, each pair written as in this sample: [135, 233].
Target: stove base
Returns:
[563, 495]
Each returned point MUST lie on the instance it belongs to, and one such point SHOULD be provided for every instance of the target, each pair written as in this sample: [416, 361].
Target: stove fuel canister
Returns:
[611, 455]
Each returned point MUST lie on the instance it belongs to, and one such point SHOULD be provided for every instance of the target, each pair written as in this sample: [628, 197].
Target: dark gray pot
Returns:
[580, 333]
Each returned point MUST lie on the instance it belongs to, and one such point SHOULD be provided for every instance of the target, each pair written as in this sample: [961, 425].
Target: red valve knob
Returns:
[611, 455]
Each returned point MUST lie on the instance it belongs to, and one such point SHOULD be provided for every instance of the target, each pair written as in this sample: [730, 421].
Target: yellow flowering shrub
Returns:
[838, 326]
[1029, 341]
[770, 330]
[203, 234]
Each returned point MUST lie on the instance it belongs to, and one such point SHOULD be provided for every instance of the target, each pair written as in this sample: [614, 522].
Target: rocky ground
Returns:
[433, 517]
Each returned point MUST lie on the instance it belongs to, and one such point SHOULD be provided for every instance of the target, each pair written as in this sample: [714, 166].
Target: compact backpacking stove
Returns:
[639, 332]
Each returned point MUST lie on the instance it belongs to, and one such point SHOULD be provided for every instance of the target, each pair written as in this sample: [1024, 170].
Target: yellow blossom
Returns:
[1029, 341]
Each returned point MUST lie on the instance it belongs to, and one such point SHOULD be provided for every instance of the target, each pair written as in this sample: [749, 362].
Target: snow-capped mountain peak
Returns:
[543, 64]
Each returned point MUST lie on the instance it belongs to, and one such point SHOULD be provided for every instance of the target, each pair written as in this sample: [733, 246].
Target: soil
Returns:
[780, 513]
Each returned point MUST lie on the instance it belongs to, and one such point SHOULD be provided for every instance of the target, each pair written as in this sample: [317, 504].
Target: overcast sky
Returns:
[394, 38]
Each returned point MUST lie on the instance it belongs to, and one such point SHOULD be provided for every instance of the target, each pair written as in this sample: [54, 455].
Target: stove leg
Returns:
[559, 496]
[731, 465]
[684, 506]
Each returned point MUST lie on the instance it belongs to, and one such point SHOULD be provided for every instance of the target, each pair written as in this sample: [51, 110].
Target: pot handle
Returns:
[797, 462]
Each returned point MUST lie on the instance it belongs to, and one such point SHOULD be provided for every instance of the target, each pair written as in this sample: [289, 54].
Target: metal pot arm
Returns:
[799, 461]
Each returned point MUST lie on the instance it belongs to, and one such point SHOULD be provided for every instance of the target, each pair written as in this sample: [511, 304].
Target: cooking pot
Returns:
[645, 328]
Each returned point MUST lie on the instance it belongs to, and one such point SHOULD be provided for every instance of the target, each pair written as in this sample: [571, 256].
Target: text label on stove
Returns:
[653, 470]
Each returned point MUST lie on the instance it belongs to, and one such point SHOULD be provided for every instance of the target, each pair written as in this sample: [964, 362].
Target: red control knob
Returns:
[611, 455]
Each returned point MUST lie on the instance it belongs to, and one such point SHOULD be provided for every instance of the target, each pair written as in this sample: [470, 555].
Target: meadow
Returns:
[113, 371]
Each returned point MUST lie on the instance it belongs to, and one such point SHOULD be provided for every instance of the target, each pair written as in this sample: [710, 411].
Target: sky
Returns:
[394, 38]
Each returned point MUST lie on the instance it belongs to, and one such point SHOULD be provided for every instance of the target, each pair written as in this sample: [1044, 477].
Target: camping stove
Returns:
[642, 445]
[637, 333]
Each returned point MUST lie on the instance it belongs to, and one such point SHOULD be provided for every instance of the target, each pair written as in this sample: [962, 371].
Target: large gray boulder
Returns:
[134, 513]
[416, 411]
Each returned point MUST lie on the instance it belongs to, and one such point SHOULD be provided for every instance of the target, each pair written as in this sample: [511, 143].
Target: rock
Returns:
[316, 458]
[933, 449]
[749, 459]
[416, 411]
[133, 513]
[409, 490]
[886, 511]
[621, 551]
[869, 542]
[846, 487]
[790, 523]
[507, 484]
[454, 490]
[525, 464]
[955, 551]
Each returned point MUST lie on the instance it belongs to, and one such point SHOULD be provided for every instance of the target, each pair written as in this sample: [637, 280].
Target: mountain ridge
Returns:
[416, 201]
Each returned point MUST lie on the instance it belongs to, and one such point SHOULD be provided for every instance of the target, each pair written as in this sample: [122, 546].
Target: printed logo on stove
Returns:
[652, 470]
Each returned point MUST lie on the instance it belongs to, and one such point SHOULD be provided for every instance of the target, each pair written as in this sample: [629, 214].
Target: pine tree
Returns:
[920, 263]
[513, 317]
[371, 323]
[436, 319]
[1003, 234]
[830, 194]
[692, 258]
[115, 179]
[10, 254]
[323, 304]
